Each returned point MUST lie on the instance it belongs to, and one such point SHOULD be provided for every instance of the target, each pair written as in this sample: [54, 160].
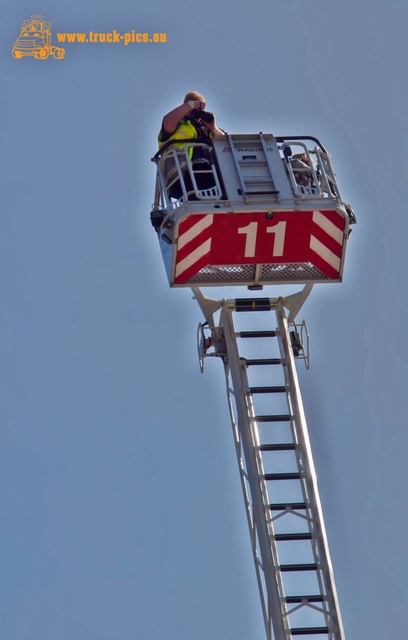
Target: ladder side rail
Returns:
[266, 502]
[248, 507]
[236, 160]
[311, 516]
[275, 540]
[324, 573]
[267, 159]
[260, 502]
[324, 559]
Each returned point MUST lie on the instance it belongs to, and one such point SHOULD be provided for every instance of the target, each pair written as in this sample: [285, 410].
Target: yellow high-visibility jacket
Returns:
[185, 130]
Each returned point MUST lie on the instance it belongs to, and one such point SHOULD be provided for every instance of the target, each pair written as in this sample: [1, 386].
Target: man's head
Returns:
[194, 95]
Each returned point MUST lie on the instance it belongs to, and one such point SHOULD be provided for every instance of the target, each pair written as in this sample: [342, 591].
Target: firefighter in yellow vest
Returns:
[184, 123]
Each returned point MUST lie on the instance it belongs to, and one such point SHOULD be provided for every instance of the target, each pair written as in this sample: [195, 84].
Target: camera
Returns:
[205, 116]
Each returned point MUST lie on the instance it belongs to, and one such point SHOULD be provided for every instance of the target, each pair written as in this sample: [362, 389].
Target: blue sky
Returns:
[122, 513]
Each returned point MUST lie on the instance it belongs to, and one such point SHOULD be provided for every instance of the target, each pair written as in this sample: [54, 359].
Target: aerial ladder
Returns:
[261, 218]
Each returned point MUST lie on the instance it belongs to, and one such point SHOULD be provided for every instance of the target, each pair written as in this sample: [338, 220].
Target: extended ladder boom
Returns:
[278, 478]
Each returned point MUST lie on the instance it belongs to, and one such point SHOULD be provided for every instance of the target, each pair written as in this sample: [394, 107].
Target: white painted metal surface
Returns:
[278, 478]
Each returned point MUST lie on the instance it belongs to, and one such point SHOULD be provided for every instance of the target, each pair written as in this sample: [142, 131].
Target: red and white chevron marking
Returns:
[315, 237]
[194, 246]
[326, 241]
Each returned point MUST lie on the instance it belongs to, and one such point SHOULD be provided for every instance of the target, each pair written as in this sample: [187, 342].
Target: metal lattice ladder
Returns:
[254, 165]
[288, 537]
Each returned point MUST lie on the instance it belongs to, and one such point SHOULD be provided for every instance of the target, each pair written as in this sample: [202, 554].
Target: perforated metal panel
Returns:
[232, 273]
[295, 270]
[244, 273]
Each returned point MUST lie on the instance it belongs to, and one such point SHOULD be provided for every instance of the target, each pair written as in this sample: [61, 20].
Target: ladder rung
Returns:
[254, 180]
[262, 361]
[284, 537]
[282, 476]
[256, 334]
[250, 178]
[309, 631]
[285, 446]
[261, 193]
[300, 599]
[298, 567]
[273, 418]
[282, 506]
[277, 389]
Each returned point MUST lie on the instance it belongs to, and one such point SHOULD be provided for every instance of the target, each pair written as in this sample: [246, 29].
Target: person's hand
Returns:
[198, 106]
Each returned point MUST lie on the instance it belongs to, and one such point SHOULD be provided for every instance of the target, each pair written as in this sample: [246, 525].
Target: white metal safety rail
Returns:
[278, 478]
[323, 180]
[175, 172]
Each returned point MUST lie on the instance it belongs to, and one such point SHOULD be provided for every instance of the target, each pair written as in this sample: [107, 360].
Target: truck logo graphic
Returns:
[35, 40]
